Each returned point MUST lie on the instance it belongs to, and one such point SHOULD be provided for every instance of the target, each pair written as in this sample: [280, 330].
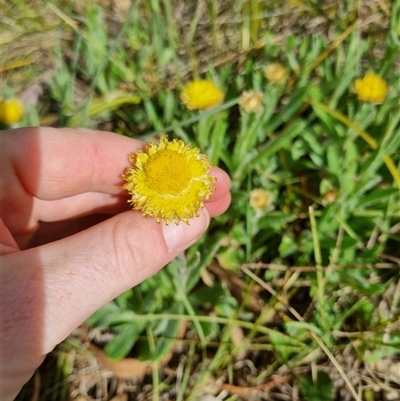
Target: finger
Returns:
[7, 241]
[78, 206]
[68, 280]
[67, 162]
[96, 202]
[222, 184]
[68, 216]
[220, 206]
[53, 229]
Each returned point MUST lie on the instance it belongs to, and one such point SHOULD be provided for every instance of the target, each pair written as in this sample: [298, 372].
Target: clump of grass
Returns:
[300, 296]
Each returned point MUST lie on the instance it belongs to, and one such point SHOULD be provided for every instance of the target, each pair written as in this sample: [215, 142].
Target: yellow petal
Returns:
[169, 181]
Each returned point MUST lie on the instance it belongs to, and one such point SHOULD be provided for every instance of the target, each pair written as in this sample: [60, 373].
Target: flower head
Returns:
[260, 199]
[169, 181]
[251, 101]
[201, 94]
[11, 111]
[275, 73]
[330, 196]
[371, 88]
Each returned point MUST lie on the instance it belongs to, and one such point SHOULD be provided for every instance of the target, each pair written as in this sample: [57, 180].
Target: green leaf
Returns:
[207, 295]
[276, 220]
[327, 121]
[322, 390]
[231, 258]
[381, 352]
[102, 317]
[120, 346]
[228, 307]
[358, 279]
[284, 345]
[217, 142]
[153, 114]
[210, 329]
[287, 246]
[311, 138]
[169, 107]
[289, 110]
[282, 140]
[377, 196]
[333, 159]
[350, 166]
[294, 327]
[167, 340]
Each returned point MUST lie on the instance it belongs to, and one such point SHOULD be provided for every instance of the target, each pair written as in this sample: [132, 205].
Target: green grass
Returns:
[307, 289]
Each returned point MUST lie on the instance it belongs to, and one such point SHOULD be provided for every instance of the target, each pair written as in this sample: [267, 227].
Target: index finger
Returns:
[56, 163]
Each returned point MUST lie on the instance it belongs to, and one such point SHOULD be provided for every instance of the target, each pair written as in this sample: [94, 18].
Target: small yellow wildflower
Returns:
[275, 73]
[371, 88]
[260, 199]
[11, 111]
[201, 94]
[251, 101]
[169, 181]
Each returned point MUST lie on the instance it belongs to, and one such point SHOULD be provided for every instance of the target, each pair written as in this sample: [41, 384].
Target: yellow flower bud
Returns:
[260, 199]
[11, 111]
[251, 101]
[371, 88]
[275, 73]
[201, 94]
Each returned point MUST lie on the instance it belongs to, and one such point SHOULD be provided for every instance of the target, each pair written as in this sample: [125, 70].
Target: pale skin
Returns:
[69, 241]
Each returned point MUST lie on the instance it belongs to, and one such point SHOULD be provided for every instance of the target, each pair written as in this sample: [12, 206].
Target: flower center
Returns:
[168, 172]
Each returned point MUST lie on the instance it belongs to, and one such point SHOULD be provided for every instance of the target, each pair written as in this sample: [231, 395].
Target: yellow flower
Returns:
[260, 199]
[275, 73]
[169, 181]
[201, 94]
[251, 101]
[11, 111]
[371, 88]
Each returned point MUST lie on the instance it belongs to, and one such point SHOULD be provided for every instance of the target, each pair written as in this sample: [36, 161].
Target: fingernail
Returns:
[181, 236]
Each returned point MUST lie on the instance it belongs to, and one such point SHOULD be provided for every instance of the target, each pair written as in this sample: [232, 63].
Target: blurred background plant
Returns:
[294, 292]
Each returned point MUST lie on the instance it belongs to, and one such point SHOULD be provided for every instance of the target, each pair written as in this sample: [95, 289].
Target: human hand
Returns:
[69, 243]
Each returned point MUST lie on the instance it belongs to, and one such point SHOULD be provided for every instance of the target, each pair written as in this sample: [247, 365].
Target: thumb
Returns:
[50, 290]
[81, 273]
